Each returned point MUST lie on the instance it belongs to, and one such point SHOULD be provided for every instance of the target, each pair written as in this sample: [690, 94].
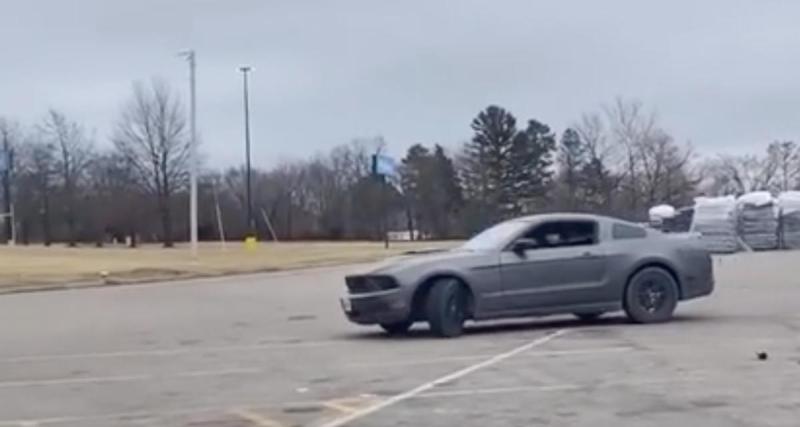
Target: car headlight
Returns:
[365, 284]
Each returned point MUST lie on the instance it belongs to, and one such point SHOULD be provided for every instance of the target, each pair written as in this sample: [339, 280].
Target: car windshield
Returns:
[495, 236]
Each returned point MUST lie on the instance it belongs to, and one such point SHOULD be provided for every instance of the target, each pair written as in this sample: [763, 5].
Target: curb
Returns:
[176, 277]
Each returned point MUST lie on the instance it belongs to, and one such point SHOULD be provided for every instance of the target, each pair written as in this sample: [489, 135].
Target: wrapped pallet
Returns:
[789, 208]
[715, 220]
[758, 221]
[681, 222]
[659, 214]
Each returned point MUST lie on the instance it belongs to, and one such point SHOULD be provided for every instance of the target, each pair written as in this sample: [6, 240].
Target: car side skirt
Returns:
[549, 311]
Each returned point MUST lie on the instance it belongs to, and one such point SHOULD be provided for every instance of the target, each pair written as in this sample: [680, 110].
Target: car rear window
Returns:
[623, 231]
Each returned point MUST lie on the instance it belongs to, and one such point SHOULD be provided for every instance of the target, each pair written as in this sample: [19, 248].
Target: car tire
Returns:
[651, 296]
[588, 317]
[445, 308]
[397, 328]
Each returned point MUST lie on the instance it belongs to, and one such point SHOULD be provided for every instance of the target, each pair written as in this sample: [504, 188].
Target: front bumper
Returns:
[376, 307]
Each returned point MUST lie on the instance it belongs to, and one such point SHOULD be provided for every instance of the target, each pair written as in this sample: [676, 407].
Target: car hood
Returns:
[415, 261]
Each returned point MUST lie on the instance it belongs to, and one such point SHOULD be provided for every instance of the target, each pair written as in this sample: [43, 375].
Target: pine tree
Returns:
[448, 197]
[487, 162]
[530, 172]
[432, 190]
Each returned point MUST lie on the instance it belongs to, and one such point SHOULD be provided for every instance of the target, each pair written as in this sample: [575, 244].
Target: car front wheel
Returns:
[445, 308]
[651, 296]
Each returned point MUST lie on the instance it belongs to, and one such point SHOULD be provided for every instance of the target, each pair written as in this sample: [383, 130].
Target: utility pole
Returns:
[381, 167]
[7, 161]
[250, 220]
[190, 56]
[384, 210]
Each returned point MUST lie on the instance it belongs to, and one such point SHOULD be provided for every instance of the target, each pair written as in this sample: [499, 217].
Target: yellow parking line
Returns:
[255, 418]
[335, 405]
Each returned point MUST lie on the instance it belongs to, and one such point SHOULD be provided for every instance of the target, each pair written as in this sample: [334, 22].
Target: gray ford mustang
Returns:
[535, 266]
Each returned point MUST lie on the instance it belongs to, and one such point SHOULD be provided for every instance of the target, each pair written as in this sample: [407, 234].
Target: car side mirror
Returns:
[523, 244]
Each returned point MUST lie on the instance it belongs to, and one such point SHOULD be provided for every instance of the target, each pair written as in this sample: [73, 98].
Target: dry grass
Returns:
[40, 267]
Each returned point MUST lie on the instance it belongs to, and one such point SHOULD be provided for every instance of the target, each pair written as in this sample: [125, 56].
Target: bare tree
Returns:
[784, 156]
[73, 150]
[151, 135]
[325, 193]
[277, 192]
[630, 127]
[604, 169]
[115, 199]
[38, 167]
[740, 174]
[664, 175]
[332, 180]
[630, 155]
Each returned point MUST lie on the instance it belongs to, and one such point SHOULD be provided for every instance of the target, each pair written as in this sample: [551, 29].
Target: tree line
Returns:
[618, 160]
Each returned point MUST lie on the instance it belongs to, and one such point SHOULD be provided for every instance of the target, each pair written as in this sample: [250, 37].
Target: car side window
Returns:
[623, 231]
[558, 234]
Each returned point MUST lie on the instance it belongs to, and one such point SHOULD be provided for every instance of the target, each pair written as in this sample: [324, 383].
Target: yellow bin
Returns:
[250, 243]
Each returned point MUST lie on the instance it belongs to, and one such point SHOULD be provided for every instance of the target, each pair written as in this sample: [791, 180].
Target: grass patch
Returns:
[35, 267]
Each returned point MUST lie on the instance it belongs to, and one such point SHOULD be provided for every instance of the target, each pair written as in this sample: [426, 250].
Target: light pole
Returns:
[190, 56]
[7, 161]
[250, 222]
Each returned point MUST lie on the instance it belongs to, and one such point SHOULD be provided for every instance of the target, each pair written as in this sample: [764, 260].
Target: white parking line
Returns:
[691, 376]
[555, 387]
[442, 380]
[165, 351]
[699, 375]
[446, 359]
[220, 372]
[71, 381]
[261, 370]
[128, 378]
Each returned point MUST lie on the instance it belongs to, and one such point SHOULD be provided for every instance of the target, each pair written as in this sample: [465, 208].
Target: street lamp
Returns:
[250, 222]
[190, 57]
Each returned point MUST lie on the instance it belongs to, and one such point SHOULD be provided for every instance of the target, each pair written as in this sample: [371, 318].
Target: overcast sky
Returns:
[724, 74]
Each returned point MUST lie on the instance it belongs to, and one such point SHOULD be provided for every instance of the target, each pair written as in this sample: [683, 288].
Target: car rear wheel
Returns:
[445, 308]
[651, 296]
[396, 328]
[589, 317]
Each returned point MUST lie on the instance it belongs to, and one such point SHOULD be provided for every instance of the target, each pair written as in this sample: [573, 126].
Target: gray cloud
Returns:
[721, 73]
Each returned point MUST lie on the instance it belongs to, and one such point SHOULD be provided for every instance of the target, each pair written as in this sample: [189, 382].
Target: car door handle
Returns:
[587, 254]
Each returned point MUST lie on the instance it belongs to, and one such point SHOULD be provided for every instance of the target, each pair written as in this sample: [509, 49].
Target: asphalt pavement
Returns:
[274, 350]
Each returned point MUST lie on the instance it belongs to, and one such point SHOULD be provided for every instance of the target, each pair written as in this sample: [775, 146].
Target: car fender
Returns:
[442, 272]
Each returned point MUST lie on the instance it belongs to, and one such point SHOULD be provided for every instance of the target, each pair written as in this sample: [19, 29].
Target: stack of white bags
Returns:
[715, 220]
[725, 224]
[758, 220]
[789, 203]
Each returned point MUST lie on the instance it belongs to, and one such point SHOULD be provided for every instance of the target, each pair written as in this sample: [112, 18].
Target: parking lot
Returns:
[274, 350]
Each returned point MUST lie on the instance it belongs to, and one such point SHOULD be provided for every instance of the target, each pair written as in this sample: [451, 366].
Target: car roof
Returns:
[572, 216]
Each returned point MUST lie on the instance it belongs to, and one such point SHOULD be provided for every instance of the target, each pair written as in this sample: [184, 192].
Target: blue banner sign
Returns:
[383, 165]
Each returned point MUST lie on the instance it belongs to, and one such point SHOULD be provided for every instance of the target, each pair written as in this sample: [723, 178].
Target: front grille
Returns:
[366, 284]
